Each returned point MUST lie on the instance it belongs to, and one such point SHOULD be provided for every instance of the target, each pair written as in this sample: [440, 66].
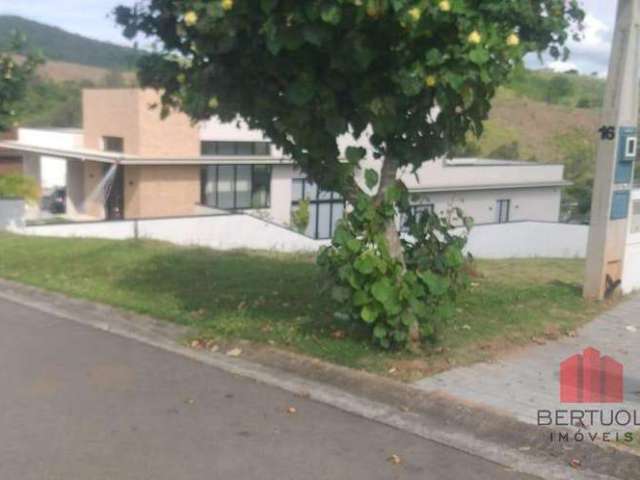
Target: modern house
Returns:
[128, 163]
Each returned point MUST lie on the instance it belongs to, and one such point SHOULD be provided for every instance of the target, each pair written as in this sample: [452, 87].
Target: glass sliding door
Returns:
[226, 182]
[325, 208]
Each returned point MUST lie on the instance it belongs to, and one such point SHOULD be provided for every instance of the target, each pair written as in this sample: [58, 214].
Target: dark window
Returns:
[325, 208]
[232, 187]
[504, 211]
[417, 211]
[235, 149]
[113, 144]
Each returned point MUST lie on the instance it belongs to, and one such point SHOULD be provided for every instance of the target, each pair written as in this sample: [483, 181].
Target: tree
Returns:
[408, 78]
[15, 73]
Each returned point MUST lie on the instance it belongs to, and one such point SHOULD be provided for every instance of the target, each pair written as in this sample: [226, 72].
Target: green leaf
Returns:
[371, 178]
[380, 331]
[436, 284]
[332, 14]
[365, 264]
[355, 154]
[301, 92]
[369, 314]
[453, 257]
[361, 298]
[341, 235]
[479, 55]
[354, 245]
[383, 291]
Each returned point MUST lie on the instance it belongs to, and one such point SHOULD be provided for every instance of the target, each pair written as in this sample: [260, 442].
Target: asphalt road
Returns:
[79, 403]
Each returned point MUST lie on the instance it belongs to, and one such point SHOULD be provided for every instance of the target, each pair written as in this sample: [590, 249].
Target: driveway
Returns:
[79, 403]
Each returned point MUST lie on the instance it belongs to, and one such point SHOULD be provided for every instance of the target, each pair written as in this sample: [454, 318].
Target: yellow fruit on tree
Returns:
[190, 18]
[513, 40]
[444, 6]
[415, 14]
[227, 4]
[431, 80]
[475, 37]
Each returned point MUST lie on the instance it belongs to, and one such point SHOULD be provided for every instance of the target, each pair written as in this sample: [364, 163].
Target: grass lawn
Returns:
[278, 298]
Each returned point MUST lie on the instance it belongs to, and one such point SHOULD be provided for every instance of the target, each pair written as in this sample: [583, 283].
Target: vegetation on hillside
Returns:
[57, 44]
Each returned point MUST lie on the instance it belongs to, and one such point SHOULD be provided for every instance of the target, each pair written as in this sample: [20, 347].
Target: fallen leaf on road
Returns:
[466, 327]
[631, 329]
[393, 370]
[236, 352]
[189, 401]
[575, 463]
[291, 410]
[395, 459]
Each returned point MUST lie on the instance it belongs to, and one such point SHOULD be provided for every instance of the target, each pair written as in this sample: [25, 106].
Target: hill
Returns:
[59, 45]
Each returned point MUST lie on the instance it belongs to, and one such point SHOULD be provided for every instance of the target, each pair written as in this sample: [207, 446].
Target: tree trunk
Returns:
[388, 179]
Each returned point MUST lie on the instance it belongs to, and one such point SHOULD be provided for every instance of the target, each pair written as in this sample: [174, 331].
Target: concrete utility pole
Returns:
[615, 160]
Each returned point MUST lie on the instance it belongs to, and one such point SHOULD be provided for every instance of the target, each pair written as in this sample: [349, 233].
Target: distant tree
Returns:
[15, 73]
[559, 87]
[410, 78]
[114, 79]
[578, 153]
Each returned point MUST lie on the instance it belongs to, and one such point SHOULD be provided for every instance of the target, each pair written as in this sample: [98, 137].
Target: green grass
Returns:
[278, 298]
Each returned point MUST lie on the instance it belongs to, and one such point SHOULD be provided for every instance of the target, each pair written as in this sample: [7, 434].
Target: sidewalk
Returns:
[527, 381]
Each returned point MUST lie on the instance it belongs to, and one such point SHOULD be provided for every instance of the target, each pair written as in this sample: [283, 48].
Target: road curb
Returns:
[468, 428]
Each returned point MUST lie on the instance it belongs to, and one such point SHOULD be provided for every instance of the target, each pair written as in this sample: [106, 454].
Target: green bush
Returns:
[19, 186]
[300, 217]
[400, 301]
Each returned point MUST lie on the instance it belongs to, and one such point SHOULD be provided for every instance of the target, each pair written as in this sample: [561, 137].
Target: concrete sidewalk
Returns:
[527, 381]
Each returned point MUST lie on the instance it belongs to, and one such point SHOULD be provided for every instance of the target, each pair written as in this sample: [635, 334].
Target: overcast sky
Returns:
[91, 18]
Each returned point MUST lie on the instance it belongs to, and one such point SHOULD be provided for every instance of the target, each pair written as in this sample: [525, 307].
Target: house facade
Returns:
[128, 163]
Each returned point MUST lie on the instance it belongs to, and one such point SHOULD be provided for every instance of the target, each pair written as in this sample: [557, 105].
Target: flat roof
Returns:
[82, 154]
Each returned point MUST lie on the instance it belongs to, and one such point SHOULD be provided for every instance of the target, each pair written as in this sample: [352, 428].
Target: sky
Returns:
[91, 18]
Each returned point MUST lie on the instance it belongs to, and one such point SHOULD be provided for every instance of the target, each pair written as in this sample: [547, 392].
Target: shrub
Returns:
[19, 186]
[300, 217]
[400, 301]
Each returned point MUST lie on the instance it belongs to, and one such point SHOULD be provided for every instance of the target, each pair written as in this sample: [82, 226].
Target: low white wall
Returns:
[227, 232]
[528, 240]
[223, 232]
[12, 213]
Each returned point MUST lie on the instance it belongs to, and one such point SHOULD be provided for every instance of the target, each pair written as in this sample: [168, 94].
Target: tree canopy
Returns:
[419, 73]
[14, 74]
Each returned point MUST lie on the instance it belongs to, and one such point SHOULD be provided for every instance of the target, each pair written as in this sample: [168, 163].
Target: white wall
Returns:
[52, 171]
[528, 240]
[281, 193]
[12, 213]
[631, 271]
[527, 204]
[224, 232]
